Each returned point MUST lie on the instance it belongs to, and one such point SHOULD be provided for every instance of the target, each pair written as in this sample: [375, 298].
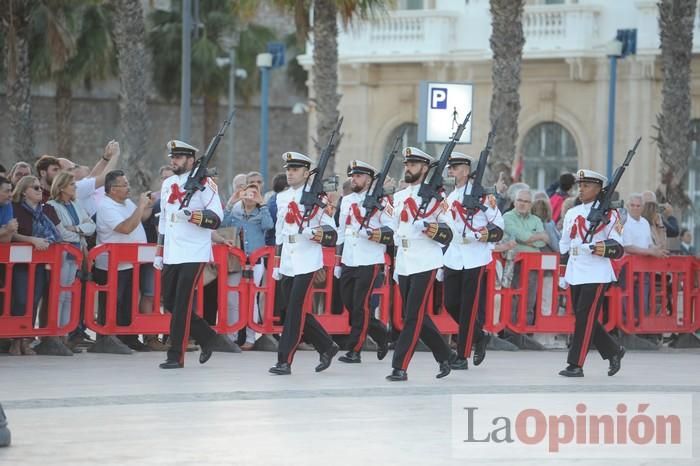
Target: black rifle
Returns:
[472, 201]
[375, 193]
[602, 205]
[314, 195]
[432, 188]
[198, 175]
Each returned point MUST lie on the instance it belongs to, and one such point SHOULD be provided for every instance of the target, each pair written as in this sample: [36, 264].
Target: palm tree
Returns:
[70, 44]
[325, 52]
[129, 32]
[219, 18]
[15, 17]
[676, 19]
[507, 41]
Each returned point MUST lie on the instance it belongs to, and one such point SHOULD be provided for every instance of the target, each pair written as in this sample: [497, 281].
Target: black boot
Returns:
[615, 362]
[351, 357]
[170, 364]
[572, 371]
[281, 368]
[444, 369]
[397, 375]
[327, 358]
[459, 364]
[383, 347]
[480, 349]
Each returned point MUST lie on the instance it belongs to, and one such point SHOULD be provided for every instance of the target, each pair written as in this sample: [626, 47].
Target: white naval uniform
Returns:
[300, 255]
[184, 241]
[415, 252]
[587, 268]
[358, 250]
[465, 250]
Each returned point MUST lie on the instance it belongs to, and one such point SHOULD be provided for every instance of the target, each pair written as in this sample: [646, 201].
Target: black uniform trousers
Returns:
[297, 322]
[465, 300]
[415, 290]
[356, 286]
[587, 302]
[178, 283]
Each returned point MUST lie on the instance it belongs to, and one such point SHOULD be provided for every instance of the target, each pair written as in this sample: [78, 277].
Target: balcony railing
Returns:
[556, 30]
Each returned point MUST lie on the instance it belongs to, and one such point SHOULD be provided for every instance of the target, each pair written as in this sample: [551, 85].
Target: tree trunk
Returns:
[676, 19]
[64, 132]
[211, 119]
[507, 41]
[130, 41]
[14, 26]
[325, 73]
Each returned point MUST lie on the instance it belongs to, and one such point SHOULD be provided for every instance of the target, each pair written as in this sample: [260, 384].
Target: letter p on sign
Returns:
[438, 97]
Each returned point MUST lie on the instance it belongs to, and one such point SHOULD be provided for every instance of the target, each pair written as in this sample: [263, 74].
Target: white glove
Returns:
[337, 270]
[276, 273]
[440, 275]
[158, 262]
[418, 227]
[307, 233]
[183, 215]
[563, 284]
[395, 276]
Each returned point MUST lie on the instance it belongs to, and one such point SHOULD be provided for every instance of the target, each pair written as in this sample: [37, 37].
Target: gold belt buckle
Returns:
[466, 240]
[404, 243]
[292, 239]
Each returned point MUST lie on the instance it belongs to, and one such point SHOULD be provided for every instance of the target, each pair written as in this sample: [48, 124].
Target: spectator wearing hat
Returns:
[184, 247]
[466, 258]
[589, 272]
[361, 247]
[299, 255]
[419, 238]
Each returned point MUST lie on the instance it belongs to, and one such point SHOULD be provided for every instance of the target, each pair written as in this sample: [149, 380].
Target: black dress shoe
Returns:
[351, 357]
[397, 375]
[327, 358]
[170, 365]
[205, 354]
[281, 368]
[444, 369]
[459, 364]
[615, 362]
[572, 371]
[480, 350]
[383, 348]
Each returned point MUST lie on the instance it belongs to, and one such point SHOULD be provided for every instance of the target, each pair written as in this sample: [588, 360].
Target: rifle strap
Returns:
[410, 206]
[580, 225]
[294, 215]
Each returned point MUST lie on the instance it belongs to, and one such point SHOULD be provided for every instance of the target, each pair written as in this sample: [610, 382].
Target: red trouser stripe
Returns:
[365, 312]
[188, 316]
[419, 322]
[472, 318]
[302, 320]
[592, 317]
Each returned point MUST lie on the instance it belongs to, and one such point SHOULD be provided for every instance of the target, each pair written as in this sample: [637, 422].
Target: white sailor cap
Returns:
[358, 167]
[296, 159]
[590, 176]
[176, 147]
[413, 154]
[458, 158]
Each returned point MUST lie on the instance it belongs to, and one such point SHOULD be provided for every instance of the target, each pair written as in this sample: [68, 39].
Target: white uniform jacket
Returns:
[184, 241]
[358, 249]
[300, 255]
[415, 252]
[465, 250]
[587, 268]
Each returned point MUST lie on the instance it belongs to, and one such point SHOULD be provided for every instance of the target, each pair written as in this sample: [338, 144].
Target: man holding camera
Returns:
[184, 247]
[298, 256]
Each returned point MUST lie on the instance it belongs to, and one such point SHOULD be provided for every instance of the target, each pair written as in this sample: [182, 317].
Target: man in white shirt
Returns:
[362, 248]
[470, 251]
[184, 247]
[298, 256]
[589, 272]
[119, 221]
[419, 238]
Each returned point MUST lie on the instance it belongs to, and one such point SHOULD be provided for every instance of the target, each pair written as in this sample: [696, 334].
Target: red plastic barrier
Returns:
[15, 254]
[659, 295]
[156, 321]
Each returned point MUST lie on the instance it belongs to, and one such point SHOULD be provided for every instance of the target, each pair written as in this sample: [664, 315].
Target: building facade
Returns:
[563, 121]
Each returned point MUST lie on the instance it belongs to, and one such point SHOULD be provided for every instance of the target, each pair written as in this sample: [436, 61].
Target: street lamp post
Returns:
[230, 43]
[264, 62]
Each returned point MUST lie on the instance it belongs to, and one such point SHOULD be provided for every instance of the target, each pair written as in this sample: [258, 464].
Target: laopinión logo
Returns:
[619, 425]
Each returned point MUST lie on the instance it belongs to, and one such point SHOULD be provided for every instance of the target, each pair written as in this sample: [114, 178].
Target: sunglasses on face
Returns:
[36, 187]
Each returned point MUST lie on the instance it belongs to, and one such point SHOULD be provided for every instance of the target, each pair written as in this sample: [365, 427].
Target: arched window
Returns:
[548, 151]
[691, 216]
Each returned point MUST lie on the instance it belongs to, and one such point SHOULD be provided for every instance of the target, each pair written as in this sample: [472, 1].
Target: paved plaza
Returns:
[108, 409]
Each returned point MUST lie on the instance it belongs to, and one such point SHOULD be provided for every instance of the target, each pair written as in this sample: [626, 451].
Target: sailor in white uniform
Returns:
[361, 247]
[419, 238]
[470, 251]
[299, 255]
[589, 272]
[184, 247]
